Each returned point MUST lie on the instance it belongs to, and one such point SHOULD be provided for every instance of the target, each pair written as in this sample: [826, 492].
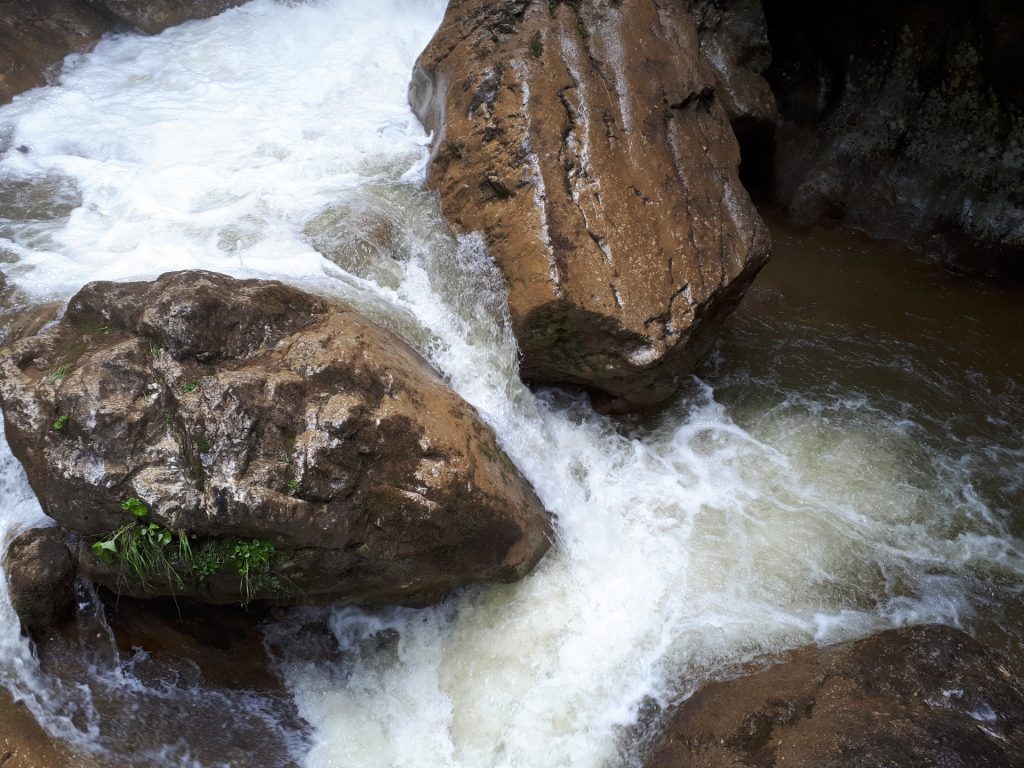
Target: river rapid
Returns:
[850, 459]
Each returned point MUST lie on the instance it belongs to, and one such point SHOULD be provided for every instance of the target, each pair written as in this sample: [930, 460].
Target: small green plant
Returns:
[253, 559]
[293, 484]
[154, 350]
[95, 330]
[189, 388]
[536, 45]
[60, 422]
[211, 558]
[147, 551]
[135, 508]
[144, 549]
[57, 376]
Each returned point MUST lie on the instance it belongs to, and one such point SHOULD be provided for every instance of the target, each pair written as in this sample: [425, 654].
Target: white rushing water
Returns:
[275, 141]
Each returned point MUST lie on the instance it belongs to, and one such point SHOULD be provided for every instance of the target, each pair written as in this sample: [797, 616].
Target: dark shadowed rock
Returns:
[588, 143]
[734, 40]
[239, 410]
[905, 121]
[911, 698]
[41, 573]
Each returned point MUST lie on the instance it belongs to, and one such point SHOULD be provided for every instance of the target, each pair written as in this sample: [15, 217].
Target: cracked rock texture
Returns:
[36, 36]
[919, 697]
[588, 143]
[250, 409]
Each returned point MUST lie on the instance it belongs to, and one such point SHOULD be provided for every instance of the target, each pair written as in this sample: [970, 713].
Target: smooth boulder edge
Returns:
[302, 452]
[41, 574]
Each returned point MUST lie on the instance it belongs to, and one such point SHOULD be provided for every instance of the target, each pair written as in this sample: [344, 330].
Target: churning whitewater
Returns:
[275, 141]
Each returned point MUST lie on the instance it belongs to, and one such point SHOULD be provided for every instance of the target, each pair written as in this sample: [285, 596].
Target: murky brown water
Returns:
[849, 330]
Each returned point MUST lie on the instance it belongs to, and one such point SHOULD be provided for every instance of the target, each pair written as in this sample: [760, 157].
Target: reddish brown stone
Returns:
[588, 143]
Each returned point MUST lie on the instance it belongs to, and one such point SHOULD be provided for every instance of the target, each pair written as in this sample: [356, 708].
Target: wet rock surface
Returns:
[155, 670]
[589, 144]
[250, 412]
[154, 16]
[910, 698]
[24, 744]
[905, 121]
[41, 574]
[36, 36]
[734, 41]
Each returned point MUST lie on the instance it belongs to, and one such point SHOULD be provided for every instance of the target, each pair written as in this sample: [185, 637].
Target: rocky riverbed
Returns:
[485, 447]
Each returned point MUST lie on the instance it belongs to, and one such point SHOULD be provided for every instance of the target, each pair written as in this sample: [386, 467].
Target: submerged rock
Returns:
[588, 143]
[184, 665]
[304, 452]
[35, 37]
[24, 744]
[909, 698]
[41, 575]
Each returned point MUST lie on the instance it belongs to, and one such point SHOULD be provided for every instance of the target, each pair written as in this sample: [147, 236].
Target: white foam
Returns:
[209, 145]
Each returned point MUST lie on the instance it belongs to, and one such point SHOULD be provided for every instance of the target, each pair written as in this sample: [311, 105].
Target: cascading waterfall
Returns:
[763, 511]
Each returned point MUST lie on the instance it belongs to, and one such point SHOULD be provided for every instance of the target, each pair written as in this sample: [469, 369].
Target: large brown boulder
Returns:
[911, 698]
[303, 450]
[588, 144]
[36, 36]
[154, 16]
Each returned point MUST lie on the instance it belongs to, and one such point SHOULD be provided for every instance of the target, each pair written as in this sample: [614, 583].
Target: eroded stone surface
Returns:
[250, 409]
[911, 698]
[589, 145]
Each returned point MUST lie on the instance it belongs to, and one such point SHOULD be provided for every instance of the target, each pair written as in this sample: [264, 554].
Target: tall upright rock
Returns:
[589, 145]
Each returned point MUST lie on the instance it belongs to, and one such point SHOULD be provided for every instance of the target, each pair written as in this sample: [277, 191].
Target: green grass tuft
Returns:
[147, 552]
[57, 376]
